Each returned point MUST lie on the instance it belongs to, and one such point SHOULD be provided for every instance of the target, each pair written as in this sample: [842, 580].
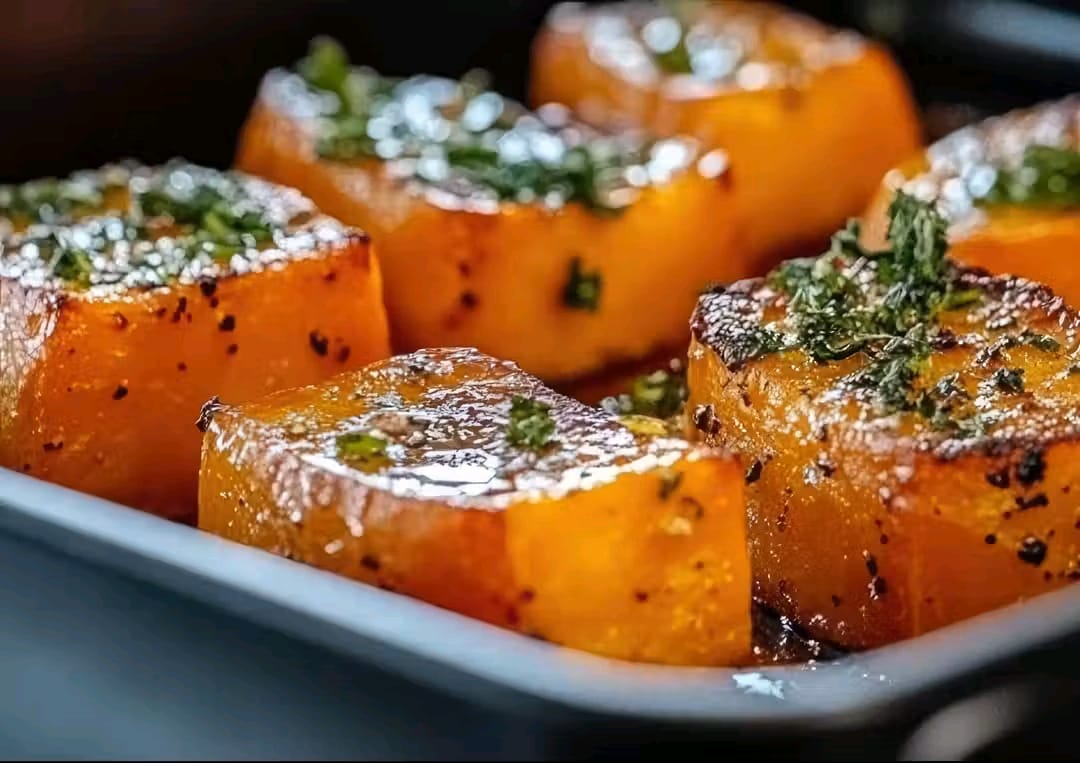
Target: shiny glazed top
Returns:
[697, 49]
[129, 226]
[1016, 325]
[461, 146]
[439, 424]
[961, 170]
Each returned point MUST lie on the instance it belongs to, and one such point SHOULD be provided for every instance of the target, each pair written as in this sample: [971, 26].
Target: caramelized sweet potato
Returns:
[897, 482]
[129, 296]
[455, 478]
[995, 225]
[526, 256]
[810, 117]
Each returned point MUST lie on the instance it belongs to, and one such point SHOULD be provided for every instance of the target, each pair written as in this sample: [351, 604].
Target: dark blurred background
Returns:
[87, 81]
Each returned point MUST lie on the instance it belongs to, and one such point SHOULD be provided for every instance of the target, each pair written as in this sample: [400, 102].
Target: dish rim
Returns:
[450, 651]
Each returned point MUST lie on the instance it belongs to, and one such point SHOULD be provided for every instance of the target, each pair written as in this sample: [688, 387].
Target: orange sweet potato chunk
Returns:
[1027, 240]
[867, 528]
[465, 269]
[108, 351]
[810, 117]
[597, 537]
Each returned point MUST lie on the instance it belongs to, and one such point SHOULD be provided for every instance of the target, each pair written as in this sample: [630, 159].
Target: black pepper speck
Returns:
[319, 343]
[228, 323]
[1032, 551]
[1023, 504]
[999, 479]
[181, 308]
[871, 563]
[705, 420]
[120, 393]
[1032, 468]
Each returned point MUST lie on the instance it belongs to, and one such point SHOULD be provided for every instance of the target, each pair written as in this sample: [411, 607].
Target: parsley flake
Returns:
[531, 425]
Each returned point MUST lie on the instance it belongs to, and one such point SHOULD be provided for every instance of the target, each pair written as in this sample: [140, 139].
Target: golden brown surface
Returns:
[620, 544]
[100, 387]
[1017, 240]
[867, 529]
[492, 275]
[810, 117]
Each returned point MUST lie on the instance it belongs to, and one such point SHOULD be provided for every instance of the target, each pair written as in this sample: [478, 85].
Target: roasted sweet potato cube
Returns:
[129, 296]
[456, 478]
[912, 439]
[810, 117]
[527, 236]
[1010, 188]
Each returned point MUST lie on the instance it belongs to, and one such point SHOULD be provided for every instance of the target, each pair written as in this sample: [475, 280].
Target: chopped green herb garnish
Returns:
[660, 394]
[883, 304]
[531, 425]
[1009, 380]
[175, 213]
[753, 344]
[463, 138]
[326, 66]
[364, 447]
[1048, 176]
[665, 39]
[71, 264]
[1042, 342]
[582, 290]
[49, 200]
[217, 220]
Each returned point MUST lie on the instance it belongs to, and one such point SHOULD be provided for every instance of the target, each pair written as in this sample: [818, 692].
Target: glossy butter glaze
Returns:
[961, 169]
[418, 122]
[464, 268]
[102, 377]
[626, 544]
[809, 117]
[867, 527]
[729, 46]
[448, 439]
[128, 248]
